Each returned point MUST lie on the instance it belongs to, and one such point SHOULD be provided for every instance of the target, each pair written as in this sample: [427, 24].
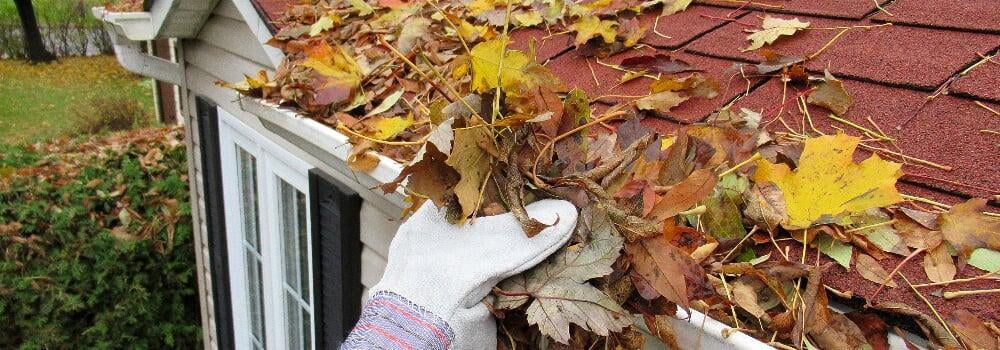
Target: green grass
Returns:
[40, 101]
[55, 11]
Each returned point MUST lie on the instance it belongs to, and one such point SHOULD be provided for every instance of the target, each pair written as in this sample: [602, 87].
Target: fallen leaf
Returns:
[754, 296]
[486, 74]
[871, 270]
[665, 267]
[361, 158]
[972, 330]
[935, 329]
[684, 195]
[915, 235]
[840, 333]
[831, 95]
[660, 327]
[387, 128]
[472, 163]
[939, 265]
[361, 6]
[674, 6]
[772, 29]
[828, 184]
[658, 63]
[322, 24]
[528, 18]
[559, 287]
[660, 102]
[967, 228]
[839, 251]
[985, 259]
[413, 30]
[874, 327]
[590, 26]
[876, 226]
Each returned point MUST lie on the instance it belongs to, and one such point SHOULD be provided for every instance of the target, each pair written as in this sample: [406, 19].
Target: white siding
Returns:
[224, 50]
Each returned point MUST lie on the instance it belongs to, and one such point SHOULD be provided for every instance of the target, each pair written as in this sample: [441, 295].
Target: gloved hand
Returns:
[437, 275]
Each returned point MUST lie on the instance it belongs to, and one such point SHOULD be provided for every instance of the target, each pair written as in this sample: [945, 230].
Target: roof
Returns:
[926, 80]
[271, 10]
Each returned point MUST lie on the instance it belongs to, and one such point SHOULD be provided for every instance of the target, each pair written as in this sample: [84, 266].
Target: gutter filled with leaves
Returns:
[667, 221]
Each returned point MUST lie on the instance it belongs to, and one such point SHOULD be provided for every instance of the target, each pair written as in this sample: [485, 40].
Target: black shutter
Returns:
[214, 216]
[336, 258]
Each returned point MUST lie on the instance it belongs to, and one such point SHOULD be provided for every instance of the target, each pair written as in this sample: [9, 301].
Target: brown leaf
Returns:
[871, 270]
[684, 195]
[972, 330]
[472, 163]
[429, 177]
[967, 228]
[664, 267]
[938, 332]
[832, 95]
[939, 265]
[658, 63]
[660, 327]
[839, 334]
[875, 329]
[660, 102]
[916, 235]
[361, 158]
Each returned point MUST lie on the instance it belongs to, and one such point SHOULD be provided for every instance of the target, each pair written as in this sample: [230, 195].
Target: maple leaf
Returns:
[486, 65]
[339, 75]
[559, 288]
[828, 184]
[590, 26]
[660, 102]
[832, 95]
[967, 228]
[772, 29]
[472, 163]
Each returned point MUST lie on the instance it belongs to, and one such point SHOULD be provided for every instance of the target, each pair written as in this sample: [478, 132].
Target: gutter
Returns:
[127, 30]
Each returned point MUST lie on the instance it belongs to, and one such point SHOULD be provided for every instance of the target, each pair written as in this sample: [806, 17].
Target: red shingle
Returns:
[982, 82]
[574, 72]
[896, 55]
[970, 15]
[273, 9]
[946, 131]
[680, 28]
[838, 8]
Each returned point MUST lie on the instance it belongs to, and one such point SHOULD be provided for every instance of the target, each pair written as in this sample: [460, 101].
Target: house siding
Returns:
[224, 50]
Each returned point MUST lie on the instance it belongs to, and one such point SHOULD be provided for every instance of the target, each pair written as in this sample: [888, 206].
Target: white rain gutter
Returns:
[128, 30]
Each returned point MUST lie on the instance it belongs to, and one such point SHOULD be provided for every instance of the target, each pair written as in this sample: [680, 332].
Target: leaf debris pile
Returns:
[667, 221]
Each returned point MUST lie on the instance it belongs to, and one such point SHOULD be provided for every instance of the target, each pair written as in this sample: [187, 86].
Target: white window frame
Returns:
[273, 164]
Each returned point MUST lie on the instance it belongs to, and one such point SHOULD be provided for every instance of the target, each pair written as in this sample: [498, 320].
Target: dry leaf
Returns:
[828, 184]
[658, 63]
[684, 195]
[939, 265]
[660, 102]
[972, 330]
[664, 267]
[774, 28]
[472, 163]
[967, 228]
[831, 95]
[590, 26]
[871, 270]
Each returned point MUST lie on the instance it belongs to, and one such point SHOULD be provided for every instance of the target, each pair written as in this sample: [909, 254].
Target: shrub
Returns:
[104, 114]
[97, 247]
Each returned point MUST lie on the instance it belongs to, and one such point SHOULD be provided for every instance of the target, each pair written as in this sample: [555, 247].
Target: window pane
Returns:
[293, 320]
[247, 166]
[297, 269]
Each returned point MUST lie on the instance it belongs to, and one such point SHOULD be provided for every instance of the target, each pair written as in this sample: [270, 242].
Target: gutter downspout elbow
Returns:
[131, 57]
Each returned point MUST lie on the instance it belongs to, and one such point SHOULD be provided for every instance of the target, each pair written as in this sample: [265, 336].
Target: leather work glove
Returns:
[437, 275]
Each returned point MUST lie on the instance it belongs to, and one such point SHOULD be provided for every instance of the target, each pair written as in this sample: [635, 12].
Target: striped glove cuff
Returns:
[389, 321]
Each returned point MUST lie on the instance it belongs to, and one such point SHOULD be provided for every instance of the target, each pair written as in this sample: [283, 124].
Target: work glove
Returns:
[437, 275]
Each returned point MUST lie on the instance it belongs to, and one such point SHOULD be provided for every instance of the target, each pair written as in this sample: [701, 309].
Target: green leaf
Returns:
[985, 259]
[836, 250]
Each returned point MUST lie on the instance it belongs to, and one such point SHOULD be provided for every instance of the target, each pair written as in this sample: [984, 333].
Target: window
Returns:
[266, 196]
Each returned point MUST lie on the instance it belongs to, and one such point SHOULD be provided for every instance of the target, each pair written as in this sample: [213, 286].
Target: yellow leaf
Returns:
[773, 28]
[390, 127]
[486, 70]
[528, 18]
[828, 184]
[590, 26]
[674, 6]
[363, 8]
[661, 102]
[324, 23]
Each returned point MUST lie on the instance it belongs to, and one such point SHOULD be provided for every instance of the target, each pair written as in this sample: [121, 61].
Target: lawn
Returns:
[50, 100]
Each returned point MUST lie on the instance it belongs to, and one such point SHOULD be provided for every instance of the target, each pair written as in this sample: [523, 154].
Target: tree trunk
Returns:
[33, 44]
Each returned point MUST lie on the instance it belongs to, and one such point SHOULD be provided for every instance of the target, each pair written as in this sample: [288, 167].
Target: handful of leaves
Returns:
[667, 221]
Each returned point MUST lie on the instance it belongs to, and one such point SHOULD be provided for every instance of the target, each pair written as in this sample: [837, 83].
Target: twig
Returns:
[827, 45]
[879, 7]
[914, 159]
[656, 23]
[761, 4]
[592, 74]
[740, 165]
[956, 183]
[534, 167]
[752, 230]
[893, 272]
[980, 104]
[960, 280]
[991, 132]
[865, 130]
[929, 305]
[418, 70]
[964, 293]
[890, 222]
